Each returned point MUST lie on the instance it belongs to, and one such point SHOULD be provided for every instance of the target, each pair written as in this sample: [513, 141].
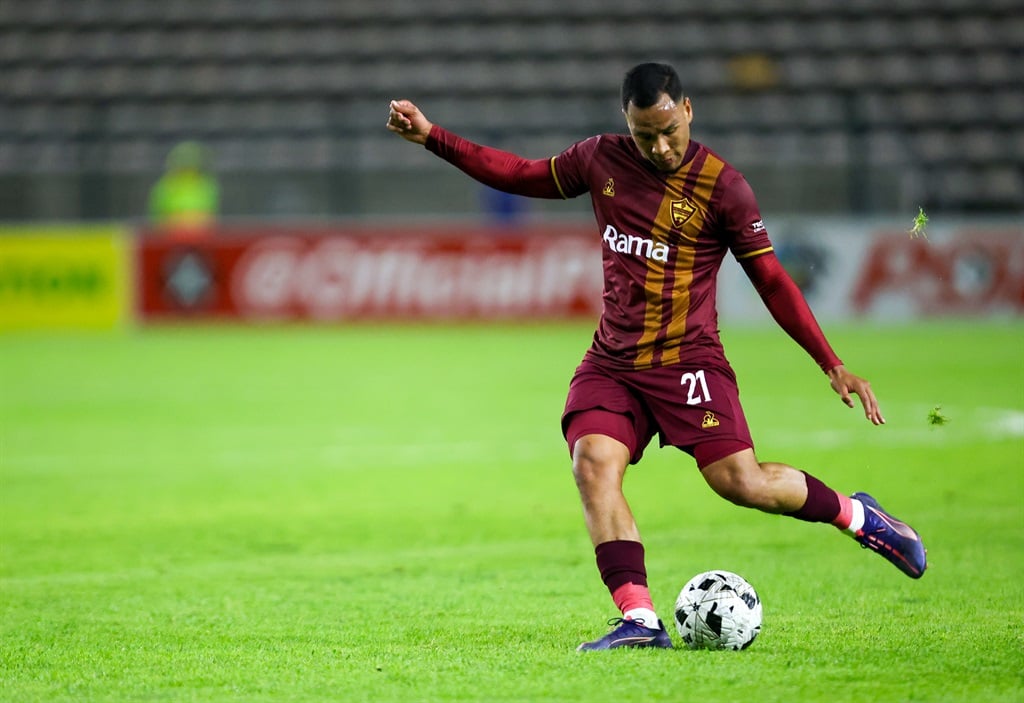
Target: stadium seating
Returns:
[927, 93]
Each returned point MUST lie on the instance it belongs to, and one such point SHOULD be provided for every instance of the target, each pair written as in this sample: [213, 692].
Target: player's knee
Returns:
[737, 485]
[598, 460]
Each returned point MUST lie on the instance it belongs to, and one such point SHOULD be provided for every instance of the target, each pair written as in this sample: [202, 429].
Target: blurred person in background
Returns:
[186, 198]
[668, 209]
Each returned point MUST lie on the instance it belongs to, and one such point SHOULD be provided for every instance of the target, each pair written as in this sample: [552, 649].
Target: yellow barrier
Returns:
[63, 277]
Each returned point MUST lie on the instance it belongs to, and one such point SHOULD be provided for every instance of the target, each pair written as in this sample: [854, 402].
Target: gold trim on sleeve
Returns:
[756, 252]
[557, 183]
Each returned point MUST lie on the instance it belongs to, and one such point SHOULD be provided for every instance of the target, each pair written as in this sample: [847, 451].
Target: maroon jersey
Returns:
[663, 239]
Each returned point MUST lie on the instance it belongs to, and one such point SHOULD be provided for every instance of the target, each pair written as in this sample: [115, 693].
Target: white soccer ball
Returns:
[718, 610]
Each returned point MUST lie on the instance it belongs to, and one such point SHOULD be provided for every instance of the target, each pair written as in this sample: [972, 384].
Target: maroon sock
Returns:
[822, 503]
[621, 562]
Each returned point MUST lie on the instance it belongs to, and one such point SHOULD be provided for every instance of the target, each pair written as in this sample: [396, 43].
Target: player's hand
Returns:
[406, 120]
[845, 383]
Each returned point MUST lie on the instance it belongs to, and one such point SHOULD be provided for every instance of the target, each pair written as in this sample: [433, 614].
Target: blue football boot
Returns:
[630, 633]
[896, 541]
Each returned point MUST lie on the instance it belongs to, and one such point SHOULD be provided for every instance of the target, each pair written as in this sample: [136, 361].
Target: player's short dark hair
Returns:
[644, 84]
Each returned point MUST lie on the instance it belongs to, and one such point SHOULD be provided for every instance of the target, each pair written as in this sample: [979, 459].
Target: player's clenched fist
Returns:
[406, 120]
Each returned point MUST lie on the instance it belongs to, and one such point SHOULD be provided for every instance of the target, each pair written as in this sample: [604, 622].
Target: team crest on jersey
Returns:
[709, 420]
[609, 188]
[682, 211]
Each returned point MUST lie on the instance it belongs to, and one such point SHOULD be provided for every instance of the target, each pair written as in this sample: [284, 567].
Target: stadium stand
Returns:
[920, 101]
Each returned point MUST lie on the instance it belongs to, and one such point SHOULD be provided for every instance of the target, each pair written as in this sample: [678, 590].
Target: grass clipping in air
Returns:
[935, 416]
[920, 223]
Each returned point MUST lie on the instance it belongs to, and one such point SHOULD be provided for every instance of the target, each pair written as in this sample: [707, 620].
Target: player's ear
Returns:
[687, 110]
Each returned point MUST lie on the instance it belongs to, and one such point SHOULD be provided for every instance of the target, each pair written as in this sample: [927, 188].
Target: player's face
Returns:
[661, 131]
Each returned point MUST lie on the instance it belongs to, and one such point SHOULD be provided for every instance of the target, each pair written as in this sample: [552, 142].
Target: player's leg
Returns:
[714, 429]
[606, 429]
[598, 465]
[599, 462]
[768, 486]
[779, 488]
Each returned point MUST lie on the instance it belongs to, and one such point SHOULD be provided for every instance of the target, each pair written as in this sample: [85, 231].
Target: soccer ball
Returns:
[718, 610]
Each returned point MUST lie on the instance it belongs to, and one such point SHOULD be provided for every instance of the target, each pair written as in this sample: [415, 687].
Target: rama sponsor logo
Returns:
[632, 244]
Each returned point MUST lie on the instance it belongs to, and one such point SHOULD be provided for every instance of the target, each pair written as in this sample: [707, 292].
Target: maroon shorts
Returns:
[696, 409]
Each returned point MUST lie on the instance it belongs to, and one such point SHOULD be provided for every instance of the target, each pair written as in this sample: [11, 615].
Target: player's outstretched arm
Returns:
[406, 120]
[492, 167]
[845, 383]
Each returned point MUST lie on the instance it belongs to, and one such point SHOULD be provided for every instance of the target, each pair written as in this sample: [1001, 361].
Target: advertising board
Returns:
[63, 277]
[351, 274]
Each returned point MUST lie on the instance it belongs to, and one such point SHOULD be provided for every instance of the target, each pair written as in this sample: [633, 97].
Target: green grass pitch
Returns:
[387, 513]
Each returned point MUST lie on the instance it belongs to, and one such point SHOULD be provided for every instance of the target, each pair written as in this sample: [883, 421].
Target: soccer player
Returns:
[668, 209]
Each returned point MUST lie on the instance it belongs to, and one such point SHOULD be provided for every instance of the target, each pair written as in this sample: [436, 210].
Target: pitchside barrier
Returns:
[89, 277]
[63, 277]
[882, 272]
[334, 274]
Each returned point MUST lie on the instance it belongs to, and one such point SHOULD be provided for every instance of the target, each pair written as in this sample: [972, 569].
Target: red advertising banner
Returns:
[976, 271]
[335, 274]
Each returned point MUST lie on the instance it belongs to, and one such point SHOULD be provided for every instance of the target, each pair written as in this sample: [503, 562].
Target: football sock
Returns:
[856, 518]
[634, 602]
[645, 615]
[842, 520]
[621, 563]
[822, 504]
[826, 505]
